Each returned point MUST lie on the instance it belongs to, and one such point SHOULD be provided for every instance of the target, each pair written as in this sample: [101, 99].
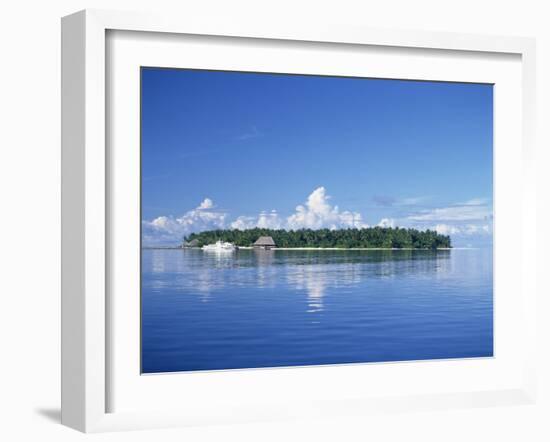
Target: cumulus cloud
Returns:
[265, 220]
[386, 222]
[168, 229]
[446, 229]
[244, 222]
[270, 220]
[206, 204]
[317, 213]
[467, 219]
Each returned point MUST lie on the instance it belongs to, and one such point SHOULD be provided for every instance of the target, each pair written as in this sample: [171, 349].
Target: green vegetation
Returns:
[372, 237]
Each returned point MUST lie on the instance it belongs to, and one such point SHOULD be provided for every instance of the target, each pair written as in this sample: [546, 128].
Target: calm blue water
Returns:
[203, 311]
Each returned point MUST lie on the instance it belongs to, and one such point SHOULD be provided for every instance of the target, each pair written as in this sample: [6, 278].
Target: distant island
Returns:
[367, 238]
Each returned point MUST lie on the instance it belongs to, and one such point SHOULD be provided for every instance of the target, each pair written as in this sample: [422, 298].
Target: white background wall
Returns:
[29, 216]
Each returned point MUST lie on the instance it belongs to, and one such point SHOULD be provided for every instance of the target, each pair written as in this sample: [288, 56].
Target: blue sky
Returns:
[237, 150]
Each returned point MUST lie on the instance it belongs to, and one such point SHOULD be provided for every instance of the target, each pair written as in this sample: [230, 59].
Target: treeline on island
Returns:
[371, 237]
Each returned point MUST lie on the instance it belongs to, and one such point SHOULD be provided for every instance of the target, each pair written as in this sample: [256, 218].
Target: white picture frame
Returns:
[86, 205]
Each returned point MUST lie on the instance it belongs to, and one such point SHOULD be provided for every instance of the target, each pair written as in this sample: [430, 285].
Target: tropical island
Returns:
[366, 238]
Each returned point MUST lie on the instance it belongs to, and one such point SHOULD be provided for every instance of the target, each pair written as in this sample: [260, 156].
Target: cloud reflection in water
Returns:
[314, 273]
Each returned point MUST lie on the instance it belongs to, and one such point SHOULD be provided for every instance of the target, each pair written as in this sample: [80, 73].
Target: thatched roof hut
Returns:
[191, 244]
[265, 242]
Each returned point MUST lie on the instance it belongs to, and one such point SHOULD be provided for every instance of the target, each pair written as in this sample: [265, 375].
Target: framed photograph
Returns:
[263, 222]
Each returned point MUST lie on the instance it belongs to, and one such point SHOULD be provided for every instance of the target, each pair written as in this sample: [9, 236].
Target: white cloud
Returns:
[265, 220]
[317, 213]
[412, 201]
[244, 222]
[472, 210]
[475, 202]
[468, 229]
[470, 218]
[171, 229]
[473, 229]
[386, 222]
[387, 200]
[162, 222]
[446, 229]
[270, 220]
[465, 219]
[206, 204]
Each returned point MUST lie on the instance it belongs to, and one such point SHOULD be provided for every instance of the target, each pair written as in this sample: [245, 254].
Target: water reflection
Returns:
[312, 272]
[158, 259]
[311, 279]
[317, 279]
[262, 260]
[261, 308]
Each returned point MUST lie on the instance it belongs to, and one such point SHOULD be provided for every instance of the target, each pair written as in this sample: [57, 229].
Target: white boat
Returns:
[219, 246]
